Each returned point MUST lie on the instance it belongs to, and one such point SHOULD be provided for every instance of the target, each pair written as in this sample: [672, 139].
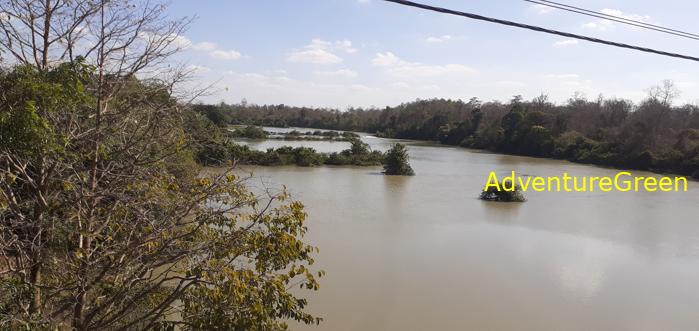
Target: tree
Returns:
[664, 93]
[106, 223]
[503, 195]
[251, 132]
[612, 130]
[358, 147]
[396, 162]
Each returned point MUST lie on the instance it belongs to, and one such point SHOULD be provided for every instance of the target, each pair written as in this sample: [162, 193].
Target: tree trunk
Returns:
[34, 280]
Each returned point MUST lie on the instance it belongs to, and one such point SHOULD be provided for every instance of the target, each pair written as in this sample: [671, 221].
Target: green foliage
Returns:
[256, 297]
[358, 154]
[643, 161]
[250, 131]
[536, 141]
[307, 157]
[359, 147]
[314, 136]
[502, 195]
[211, 147]
[214, 114]
[122, 226]
[28, 96]
[612, 132]
[397, 161]
[302, 156]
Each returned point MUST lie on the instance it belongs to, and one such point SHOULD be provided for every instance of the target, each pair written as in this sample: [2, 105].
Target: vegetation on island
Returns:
[217, 149]
[255, 132]
[506, 191]
[397, 161]
[250, 132]
[106, 220]
[651, 135]
[305, 156]
[314, 135]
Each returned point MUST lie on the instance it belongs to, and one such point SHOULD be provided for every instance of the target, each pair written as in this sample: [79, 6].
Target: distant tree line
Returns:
[651, 135]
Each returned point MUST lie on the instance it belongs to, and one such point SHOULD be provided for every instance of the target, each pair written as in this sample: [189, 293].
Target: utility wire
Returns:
[623, 20]
[540, 29]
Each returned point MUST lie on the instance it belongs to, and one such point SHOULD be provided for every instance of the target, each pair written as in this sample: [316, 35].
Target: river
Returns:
[423, 253]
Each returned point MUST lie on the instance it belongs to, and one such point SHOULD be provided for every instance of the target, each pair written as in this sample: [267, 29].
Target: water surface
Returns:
[423, 253]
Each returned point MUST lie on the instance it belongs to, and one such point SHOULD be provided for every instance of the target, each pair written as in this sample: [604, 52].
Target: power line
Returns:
[540, 29]
[548, 3]
[619, 19]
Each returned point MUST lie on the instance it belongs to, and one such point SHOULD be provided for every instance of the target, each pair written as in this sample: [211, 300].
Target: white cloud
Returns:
[411, 70]
[439, 39]
[686, 84]
[510, 83]
[601, 25]
[226, 55]
[204, 46]
[265, 88]
[345, 45]
[198, 68]
[563, 76]
[319, 43]
[564, 43]
[175, 40]
[604, 25]
[273, 89]
[344, 73]
[570, 80]
[340, 45]
[321, 52]
[422, 71]
[315, 56]
[185, 43]
[363, 1]
[541, 9]
[386, 59]
[631, 16]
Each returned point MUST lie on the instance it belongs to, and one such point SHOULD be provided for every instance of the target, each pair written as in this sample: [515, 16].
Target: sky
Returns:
[364, 53]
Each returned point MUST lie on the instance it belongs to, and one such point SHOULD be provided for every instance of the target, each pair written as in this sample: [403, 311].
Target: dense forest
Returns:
[651, 135]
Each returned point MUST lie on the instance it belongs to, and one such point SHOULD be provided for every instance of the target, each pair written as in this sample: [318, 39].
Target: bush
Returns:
[307, 157]
[397, 161]
[358, 147]
[250, 131]
[642, 161]
[493, 194]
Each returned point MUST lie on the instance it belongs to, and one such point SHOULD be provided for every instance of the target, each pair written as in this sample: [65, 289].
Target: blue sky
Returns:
[341, 53]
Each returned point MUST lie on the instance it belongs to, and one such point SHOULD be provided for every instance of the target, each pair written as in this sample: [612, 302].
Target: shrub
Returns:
[250, 131]
[358, 147]
[502, 195]
[397, 161]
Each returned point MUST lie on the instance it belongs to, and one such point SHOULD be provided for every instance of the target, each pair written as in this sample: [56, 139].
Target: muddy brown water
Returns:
[423, 253]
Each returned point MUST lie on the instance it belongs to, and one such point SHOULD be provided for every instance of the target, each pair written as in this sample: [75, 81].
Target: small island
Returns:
[256, 132]
[502, 194]
[397, 162]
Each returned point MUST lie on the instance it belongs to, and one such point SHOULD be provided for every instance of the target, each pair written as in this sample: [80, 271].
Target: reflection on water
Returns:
[423, 253]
